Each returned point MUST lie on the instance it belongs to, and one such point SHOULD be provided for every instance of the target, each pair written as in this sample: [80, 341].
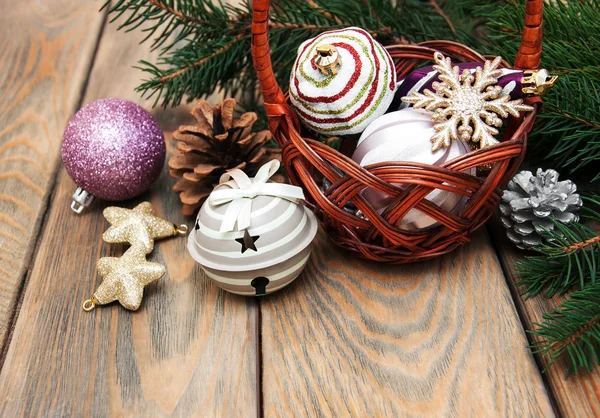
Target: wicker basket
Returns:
[377, 238]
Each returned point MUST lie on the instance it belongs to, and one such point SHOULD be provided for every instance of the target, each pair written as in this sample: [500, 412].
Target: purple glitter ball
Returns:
[113, 149]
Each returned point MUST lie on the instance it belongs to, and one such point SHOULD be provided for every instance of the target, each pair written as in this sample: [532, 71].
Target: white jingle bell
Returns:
[405, 135]
[252, 236]
[342, 80]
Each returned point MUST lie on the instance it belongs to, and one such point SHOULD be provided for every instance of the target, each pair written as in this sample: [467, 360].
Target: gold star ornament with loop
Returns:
[124, 279]
[466, 106]
[138, 226]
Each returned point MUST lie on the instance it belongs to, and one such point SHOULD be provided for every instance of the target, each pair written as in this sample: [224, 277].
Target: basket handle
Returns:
[528, 56]
[261, 54]
[530, 51]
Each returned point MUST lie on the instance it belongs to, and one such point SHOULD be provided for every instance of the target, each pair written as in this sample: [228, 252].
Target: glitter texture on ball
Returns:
[113, 149]
[358, 90]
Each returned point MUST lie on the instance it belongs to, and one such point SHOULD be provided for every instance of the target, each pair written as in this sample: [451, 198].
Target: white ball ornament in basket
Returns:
[405, 135]
[252, 236]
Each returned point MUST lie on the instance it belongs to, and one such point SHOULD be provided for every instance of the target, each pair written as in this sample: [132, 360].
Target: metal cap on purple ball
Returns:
[113, 149]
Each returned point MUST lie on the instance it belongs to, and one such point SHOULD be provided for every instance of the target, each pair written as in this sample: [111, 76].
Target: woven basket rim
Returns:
[378, 237]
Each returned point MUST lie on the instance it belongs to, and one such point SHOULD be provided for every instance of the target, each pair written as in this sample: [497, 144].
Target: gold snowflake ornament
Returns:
[466, 106]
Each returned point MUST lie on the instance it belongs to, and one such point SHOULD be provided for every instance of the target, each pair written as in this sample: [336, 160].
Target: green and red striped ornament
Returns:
[344, 101]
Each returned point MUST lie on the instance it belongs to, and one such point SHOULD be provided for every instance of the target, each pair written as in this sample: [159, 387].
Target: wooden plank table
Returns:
[348, 338]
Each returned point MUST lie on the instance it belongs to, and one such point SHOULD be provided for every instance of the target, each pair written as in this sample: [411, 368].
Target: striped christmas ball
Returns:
[277, 247]
[357, 89]
[405, 135]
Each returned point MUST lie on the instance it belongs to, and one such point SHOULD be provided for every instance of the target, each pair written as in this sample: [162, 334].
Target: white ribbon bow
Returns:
[236, 187]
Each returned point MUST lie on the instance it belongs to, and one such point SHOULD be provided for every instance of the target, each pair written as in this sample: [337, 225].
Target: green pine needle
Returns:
[205, 45]
[564, 263]
[572, 331]
[567, 133]
[570, 259]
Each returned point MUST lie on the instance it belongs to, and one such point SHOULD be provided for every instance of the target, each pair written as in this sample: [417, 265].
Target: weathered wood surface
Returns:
[576, 396]
[191, 349]
[440, 338]
[45, 52]
[349, 338]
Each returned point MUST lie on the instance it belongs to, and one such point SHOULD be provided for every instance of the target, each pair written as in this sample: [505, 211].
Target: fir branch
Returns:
[206, 45]
[325, 13]
[194, 67]
[571, 258]
[161, 5]
[572, 330]
[564, 263]
[566, 133]
[439, 10]
[169, 21]
[582, 245]
[198, 63]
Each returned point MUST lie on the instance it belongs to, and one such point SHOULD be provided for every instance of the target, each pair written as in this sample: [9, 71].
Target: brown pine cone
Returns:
[215, 144]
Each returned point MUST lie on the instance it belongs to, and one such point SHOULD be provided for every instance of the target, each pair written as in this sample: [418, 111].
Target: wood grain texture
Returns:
[190, 350]
[441, 338]
[45, 52]
[576, 396]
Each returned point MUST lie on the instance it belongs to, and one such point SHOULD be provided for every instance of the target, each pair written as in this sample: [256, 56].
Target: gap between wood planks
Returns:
[260, 411]
[572, 396]
[516, 296]
[41, 224]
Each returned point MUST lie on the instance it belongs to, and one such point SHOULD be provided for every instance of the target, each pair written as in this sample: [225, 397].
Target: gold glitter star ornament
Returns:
[466, 106]
[138, 226]
[125, 279]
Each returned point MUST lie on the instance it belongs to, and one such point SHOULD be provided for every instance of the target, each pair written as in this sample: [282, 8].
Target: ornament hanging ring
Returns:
[181, 229]
[327, 59]
[89, 305]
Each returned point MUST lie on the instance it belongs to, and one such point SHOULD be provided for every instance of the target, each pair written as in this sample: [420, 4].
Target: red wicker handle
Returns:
[527, 58]
[261, 53]
[530, 51]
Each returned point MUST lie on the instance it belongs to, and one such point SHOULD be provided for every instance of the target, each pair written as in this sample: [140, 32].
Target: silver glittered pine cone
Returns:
[530, 202]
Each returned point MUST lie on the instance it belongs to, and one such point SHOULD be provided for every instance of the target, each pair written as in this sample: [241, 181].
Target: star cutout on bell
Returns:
[248, 241]
[125, 278]
[137, 225]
